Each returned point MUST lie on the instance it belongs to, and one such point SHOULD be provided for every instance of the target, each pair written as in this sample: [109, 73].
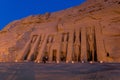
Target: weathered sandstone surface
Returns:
[89, 32]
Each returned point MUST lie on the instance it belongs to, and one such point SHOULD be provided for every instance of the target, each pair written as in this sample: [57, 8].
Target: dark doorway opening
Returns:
[54, 55]
[108, 54]
[63, 56]
[92, 56]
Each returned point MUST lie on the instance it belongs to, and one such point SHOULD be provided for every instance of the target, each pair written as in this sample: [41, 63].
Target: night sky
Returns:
[11, 10]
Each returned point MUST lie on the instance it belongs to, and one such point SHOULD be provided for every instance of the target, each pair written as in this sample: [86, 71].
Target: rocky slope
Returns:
[104, 13]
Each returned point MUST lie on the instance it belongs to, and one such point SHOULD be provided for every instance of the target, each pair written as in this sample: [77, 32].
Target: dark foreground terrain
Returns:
[62, 71]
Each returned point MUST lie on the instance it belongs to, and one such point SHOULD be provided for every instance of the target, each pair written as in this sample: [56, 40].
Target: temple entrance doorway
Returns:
[92, 56]
[63, 56]
[54, 55]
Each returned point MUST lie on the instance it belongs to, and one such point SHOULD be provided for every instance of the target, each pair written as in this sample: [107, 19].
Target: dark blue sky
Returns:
[11, 10]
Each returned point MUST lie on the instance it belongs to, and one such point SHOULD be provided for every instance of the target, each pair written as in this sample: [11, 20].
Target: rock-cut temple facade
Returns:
[81, 44]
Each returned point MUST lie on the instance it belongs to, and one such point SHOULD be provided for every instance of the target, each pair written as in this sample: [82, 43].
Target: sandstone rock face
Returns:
[89, 32]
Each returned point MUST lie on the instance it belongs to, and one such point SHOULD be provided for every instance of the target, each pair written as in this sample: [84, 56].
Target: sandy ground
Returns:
[62, 71]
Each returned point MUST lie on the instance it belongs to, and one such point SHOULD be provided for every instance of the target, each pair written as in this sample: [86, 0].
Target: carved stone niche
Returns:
[91, 44]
